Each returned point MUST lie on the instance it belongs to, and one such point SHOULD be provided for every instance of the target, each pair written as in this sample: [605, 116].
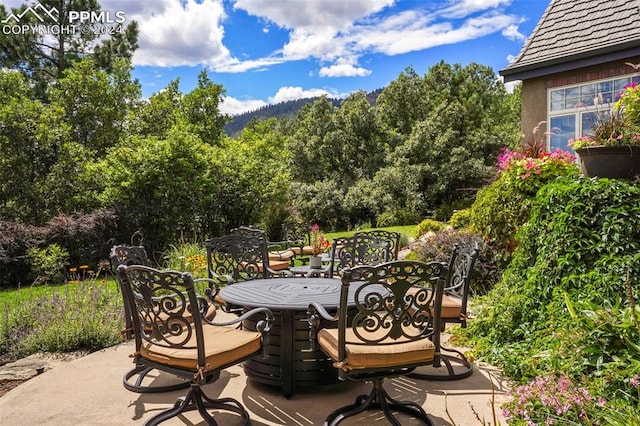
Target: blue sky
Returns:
[269, 51]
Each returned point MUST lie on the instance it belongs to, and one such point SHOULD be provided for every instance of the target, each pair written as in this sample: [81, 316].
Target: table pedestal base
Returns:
[291, 363]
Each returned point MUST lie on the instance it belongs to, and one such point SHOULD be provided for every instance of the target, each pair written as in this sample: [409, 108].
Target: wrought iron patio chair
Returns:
[393, 237]
[173, 334]
[134, 378]
[454, 311]
[280, 257]
[297, 237]
[353, 251]
[236, 257]
[383, 331]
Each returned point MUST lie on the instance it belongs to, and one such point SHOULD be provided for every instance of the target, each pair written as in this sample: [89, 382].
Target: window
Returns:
[573, 110]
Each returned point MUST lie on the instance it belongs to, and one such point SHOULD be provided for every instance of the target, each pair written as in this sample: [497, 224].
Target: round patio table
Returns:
[291, 363]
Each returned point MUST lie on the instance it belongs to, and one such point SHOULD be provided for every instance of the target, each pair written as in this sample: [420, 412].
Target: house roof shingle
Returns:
[575, 30]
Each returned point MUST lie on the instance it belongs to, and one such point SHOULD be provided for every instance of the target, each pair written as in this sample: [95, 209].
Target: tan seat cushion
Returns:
[451, 305]
[401, 352]
[223, 345]
[279, 265]
[306, 250]
[281, 255]
[276, 265]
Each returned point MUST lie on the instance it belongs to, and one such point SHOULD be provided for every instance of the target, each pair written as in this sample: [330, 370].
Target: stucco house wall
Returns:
[535, 91]
[574, 42]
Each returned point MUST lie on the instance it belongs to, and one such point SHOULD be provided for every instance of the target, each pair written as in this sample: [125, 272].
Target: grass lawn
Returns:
[14, 297]
[407, 231]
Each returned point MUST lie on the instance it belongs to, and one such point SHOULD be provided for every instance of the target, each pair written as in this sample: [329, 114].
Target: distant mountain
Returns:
[281, 110]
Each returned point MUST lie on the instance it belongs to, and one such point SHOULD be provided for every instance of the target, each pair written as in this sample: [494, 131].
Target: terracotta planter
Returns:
[621, 162]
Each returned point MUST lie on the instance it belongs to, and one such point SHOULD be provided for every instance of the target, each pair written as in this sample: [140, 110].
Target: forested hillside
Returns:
[281, 110]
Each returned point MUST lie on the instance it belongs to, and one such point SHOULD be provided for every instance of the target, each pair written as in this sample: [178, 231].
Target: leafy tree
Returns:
[31, 136]
[160, 113]
[43, 58]
[309, 162]
[201, 108]
[404, 102]
[259, 191]
[455, 145]
[162, 187]
[198, 109]
[357, 145]
[97, 105]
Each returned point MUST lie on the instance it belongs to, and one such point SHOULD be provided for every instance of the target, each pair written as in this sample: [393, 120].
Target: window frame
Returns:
[584, 107]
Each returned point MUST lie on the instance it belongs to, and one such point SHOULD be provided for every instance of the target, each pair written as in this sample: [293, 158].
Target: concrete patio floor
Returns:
[89, 391]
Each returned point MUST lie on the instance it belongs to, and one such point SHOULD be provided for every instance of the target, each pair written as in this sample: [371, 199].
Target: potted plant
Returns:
[613, 150]
[319, 245]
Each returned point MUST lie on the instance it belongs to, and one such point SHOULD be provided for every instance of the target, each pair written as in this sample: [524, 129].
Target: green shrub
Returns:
[48, 264]
[397, 217]
[460, 219]
[429, 225]
[438, 246]
[503, 207]
[561, 305]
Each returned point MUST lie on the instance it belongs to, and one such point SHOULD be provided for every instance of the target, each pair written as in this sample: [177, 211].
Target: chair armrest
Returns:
[277, 245]
[226, 279]
[315, 313]
[263, 325]
[284, 273]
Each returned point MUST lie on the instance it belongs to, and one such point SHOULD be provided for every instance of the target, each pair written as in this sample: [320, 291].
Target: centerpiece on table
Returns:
[613, 150]
[319, 245]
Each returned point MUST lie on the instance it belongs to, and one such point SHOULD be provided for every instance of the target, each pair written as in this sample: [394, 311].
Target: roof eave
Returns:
[568, 63]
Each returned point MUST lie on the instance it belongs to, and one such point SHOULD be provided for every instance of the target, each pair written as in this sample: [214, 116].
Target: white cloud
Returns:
[345, 67]
[462, 8]
[291, 93]
[313, 15]
[233, 106]
[511, 32]
[177, 33]
[395, 41]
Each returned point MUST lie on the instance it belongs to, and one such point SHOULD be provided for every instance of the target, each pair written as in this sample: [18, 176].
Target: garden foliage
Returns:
[502, 207]
[437, 246]
[567, 301]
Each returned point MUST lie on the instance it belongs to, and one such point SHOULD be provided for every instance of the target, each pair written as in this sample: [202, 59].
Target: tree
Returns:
[198, 109]
[160, 113]
[404, 102]
[163, 187]
[31, 136]
[97, 104]
[201, 109]
[454, 147]
[257, 160]
[309, 161]
[43, 57]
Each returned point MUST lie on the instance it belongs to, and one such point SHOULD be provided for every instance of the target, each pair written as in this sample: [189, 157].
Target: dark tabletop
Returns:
[284, 293]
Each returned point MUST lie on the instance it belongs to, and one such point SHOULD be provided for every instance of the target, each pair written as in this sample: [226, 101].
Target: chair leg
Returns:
[378, 399]
[196, 399]
[457, 359]
[141, 372]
